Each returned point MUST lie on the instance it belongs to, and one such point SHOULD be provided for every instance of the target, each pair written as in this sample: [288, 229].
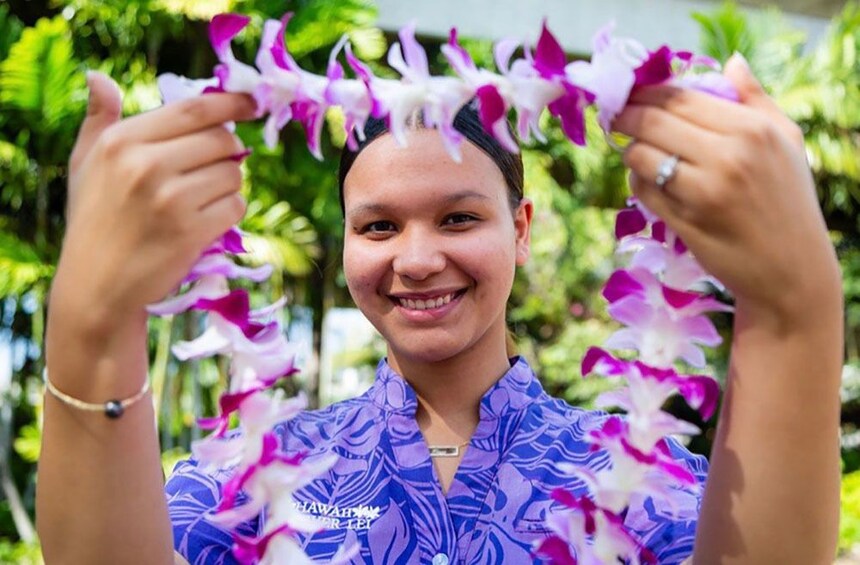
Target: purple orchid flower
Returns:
[597, 535]
[488, 87]
[351, 95]
[611, 73]
[278, 90]
[232, 75]
[272, 480]
[303, 101]
[644, 285]
[258, 412]
[259, 350]
[549, 61]
[658, 335]
[440, 98]
[212, 264]
[700, 391]
[174, 88]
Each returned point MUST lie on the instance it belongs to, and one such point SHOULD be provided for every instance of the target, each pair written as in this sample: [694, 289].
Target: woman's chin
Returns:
[425, 351]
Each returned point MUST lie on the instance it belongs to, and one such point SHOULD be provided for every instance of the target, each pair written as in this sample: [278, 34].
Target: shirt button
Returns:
[440, 559]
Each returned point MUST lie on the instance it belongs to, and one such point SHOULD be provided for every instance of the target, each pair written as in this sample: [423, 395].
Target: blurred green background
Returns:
[556, 310]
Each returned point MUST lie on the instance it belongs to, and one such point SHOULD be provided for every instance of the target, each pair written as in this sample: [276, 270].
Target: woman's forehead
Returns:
[421, 171]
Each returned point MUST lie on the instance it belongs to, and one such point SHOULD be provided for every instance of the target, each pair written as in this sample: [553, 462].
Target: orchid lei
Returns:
[656, 297]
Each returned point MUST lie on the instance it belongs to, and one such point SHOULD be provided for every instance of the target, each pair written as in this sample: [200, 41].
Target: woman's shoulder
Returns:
[348, 421]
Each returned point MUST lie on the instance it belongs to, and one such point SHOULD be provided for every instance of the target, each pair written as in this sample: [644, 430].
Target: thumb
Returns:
[752, 94]
[750, 91]
[104, 108]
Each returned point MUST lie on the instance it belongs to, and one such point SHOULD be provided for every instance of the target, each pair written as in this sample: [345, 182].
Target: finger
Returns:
[221, 215]
[104, 108]
[664, 206]
[197, 189]
[196, 150]
[188, 116]
[705, 110]
[666, 131]
[645, 160]
[752, 94]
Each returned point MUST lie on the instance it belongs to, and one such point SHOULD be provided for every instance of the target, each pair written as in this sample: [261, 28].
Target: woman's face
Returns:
[431, 246]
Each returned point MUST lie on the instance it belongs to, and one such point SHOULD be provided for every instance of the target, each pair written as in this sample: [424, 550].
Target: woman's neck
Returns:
[449, 391]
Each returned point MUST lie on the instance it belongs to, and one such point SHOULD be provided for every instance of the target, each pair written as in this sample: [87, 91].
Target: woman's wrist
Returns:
[94, 356]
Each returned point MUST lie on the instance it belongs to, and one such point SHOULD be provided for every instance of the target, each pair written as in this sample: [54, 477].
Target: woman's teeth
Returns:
[425, 304]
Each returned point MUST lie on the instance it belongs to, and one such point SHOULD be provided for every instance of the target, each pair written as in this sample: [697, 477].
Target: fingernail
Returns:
[240, 156]
[743, 60]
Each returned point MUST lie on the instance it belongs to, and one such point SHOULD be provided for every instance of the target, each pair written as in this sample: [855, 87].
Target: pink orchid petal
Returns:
[250, 550]
[621, 284]
[556, 550]
[210, 342]
[702, 393]
[222, 29]
[221, 265]
[549, 57]
[631, 310]
[208, 286]
[408, 56]
[656, 69]
[174, 87]
[629, 221]
[712, 83]
[503, 50]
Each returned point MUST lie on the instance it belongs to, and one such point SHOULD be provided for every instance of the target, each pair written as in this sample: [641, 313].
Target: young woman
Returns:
[430, 253]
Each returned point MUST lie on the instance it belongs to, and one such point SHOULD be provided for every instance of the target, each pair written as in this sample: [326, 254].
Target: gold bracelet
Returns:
[112, 408]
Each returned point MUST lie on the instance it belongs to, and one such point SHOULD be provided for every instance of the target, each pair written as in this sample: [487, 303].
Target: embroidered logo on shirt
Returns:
[335, 517]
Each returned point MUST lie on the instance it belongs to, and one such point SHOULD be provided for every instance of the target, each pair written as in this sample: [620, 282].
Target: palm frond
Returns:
[281, 237]
[41, 75]
[21, 268]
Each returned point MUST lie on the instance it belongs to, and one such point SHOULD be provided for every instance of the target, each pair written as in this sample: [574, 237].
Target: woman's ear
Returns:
[522, 225]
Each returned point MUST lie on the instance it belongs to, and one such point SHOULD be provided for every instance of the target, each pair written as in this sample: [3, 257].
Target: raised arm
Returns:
[744, 202]
[146, 196]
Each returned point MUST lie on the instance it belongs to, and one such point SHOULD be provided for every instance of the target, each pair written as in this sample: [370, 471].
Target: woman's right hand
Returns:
[147, 195]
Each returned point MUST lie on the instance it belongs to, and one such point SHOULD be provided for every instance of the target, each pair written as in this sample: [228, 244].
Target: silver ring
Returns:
[666, 170]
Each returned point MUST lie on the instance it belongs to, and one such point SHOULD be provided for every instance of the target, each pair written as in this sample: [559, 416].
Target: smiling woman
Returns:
[453, 454]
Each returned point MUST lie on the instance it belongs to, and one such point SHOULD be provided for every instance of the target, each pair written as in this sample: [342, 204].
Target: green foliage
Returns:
[725, 31]
[279, 236]
[10, 30]
[819, 89]
[849, 522]
[170, 457]
[41, 77]
[20, 553]
[21, 268]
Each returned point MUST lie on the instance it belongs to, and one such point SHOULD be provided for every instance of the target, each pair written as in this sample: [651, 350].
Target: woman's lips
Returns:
[428, 308]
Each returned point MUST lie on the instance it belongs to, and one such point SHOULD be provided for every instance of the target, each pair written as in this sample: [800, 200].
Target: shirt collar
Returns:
[517, 388]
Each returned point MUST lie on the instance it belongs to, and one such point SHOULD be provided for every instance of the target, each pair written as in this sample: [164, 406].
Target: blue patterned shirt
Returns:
[383, 493]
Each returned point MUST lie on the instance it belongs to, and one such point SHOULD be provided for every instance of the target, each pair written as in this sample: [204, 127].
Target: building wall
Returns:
[652, 22]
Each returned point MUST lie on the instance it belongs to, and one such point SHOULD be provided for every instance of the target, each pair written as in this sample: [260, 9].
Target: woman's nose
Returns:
[418, 256]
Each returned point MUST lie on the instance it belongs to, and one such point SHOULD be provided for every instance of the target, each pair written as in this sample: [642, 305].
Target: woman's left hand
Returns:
[743, 198]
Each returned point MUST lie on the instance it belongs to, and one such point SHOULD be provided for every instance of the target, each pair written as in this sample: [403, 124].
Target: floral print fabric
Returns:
[383, 494]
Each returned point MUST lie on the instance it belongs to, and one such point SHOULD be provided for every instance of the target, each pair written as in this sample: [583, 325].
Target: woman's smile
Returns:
[427, 306]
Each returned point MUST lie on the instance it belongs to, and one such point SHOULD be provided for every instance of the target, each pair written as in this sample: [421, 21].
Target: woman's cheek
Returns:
[363, 268]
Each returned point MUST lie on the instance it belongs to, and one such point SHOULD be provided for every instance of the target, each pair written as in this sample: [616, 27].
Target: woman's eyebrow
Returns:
[464, 195]
[366, 209]
[376, 208]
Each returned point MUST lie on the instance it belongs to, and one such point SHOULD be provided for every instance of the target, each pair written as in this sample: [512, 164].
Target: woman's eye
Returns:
[459, 219]
[378, 227]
